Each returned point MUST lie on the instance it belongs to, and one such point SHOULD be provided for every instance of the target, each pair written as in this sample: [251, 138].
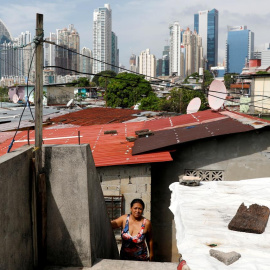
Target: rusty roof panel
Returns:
[97, 116]
[108, 150]
[175, 136]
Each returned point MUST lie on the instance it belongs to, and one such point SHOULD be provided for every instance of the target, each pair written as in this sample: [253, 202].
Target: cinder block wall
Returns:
[15, 210]
[79, 230]
[132, 181]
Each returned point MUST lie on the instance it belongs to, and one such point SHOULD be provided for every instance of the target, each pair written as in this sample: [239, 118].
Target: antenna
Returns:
[194, 105]
[217, 95]
[15, 98]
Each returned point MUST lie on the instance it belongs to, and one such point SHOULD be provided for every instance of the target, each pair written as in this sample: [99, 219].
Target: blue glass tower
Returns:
[206, 25]
[240, 44]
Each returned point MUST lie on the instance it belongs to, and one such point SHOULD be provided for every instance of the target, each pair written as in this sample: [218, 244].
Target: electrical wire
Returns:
[103, 62]
[13, 139]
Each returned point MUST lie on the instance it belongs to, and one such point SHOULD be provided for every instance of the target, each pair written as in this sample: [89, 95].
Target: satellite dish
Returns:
[70, 102]
[217, 95]
[15, 98]
[194, 105]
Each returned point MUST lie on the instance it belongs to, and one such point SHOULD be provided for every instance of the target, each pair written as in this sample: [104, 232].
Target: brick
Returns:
[252, 220]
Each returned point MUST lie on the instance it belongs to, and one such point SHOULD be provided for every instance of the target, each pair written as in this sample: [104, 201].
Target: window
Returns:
[114, 206]
[206, 175]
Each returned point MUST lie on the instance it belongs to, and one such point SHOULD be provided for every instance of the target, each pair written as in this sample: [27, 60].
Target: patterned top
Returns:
[133, 247]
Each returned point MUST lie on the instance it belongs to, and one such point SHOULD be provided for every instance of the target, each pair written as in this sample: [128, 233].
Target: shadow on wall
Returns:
[64, 251]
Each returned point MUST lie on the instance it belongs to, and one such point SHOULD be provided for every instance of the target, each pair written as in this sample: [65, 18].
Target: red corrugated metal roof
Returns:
[181, 129]
[108, 150]
[183, 120]
[97, 116]
[175, 136]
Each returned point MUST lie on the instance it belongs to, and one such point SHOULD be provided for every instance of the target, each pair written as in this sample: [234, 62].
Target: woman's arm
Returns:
[117, 223]
[149, 241]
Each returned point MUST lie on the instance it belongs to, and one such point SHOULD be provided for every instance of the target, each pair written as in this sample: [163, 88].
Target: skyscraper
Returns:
[147, 65]
[69, 39]
[192, 43]
[175, 49]
[102, 38]
[239, 48]
[206, 25]
[86, 62]
[115, 53]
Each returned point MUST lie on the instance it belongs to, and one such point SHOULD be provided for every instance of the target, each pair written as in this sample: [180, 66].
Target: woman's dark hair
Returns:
[137, 201]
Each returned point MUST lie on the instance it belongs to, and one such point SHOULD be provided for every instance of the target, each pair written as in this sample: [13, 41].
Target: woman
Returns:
[136, 231]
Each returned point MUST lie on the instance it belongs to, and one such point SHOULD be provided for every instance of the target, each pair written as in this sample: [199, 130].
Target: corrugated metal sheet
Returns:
[183, 120]
[175, 136]
[108, 150]
[97, 116]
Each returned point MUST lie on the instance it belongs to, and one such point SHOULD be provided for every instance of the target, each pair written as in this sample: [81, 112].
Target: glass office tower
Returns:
[239, 48]
[206, 25]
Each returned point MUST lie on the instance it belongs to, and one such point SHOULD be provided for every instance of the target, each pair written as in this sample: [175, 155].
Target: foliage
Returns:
[126, 89]
[179, 99]
[229, 78]
[81, 82]
[208, 78]
[152, 103]
[108, 73]
[262, 72]
[4, 94]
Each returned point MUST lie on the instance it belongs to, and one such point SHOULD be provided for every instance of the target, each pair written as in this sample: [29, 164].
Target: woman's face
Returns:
[136, 210]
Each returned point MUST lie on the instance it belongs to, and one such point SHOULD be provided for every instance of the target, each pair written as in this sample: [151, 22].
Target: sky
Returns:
[139, 24]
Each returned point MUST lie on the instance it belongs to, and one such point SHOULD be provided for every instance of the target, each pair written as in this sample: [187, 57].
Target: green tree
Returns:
[127, 89]
[81, 82]
[208, 78]
[179, 99]
[229, 78]
[152, 103]
[105, 73]
[3, 94]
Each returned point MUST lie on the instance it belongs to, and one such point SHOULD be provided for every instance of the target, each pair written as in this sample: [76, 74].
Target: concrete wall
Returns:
[59, 95]
[133, 181]
[240, 156]
[15, 210]
[79, 230]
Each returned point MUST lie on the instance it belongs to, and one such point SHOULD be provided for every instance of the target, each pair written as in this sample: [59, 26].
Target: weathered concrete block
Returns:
[252, 220]
[227, 258]
[108, 192]
[142, 180]
[142, 188]
[79, 229]
[15, 210]
[126, 181]
[128, 189]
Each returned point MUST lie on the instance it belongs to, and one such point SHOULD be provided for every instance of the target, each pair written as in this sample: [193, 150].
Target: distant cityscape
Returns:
[186, 53]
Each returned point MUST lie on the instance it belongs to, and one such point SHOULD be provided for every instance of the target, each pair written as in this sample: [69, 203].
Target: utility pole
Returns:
[39, 178]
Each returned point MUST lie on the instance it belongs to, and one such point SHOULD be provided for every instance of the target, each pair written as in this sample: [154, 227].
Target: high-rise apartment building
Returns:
[206, 25]
[192, 43]
[147, 64]
[102, 38]
[239, 48]
[86, 62]
[115, 53]
[49, 51]
[176, 62]
[67, 38]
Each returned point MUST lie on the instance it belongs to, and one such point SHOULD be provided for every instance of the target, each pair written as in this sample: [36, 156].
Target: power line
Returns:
[101, 75]
[103, 62]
